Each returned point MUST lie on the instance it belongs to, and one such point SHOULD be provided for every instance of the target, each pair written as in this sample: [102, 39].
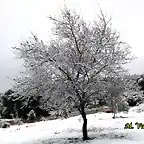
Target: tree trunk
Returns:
[114, 112]
[115, 108]
[114, 115]
[84, 128]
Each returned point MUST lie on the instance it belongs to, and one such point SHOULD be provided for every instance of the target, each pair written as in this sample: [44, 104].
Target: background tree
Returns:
[115, 97]
[70, 69]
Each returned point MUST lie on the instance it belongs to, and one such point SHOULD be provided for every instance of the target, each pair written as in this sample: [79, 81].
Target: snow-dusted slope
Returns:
[101, 126]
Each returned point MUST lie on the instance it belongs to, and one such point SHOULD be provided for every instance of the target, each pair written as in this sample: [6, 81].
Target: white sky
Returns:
[19, 17]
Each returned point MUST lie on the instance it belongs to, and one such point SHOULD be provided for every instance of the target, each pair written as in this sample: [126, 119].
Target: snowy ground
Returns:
[101, 128]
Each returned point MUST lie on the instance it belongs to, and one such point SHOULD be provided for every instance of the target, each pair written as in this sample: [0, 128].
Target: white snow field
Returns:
[101, 128]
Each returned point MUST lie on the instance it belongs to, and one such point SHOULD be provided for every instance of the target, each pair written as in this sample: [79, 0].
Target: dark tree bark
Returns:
[84, 128]
[114, 116]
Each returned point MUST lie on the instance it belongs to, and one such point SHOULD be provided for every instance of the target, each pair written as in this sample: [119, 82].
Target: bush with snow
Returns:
[4, 124]
[42, 119]
[140, 108]
[134, 98]
[31, 115]
[123, 107]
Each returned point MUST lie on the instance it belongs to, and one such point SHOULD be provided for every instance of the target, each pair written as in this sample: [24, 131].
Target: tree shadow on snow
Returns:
[94, 134]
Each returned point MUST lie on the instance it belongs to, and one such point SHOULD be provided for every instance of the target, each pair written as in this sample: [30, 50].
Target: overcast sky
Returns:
[19, 17]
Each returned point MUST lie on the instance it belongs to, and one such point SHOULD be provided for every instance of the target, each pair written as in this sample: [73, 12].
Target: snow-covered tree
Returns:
[117, 86]
[69, 70]
[116, 102]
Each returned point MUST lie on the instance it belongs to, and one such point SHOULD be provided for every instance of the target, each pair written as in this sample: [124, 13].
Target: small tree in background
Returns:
[115, 97]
